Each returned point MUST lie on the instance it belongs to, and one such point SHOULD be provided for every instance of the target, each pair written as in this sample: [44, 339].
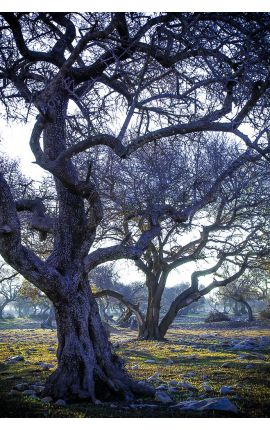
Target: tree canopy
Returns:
[120, 81]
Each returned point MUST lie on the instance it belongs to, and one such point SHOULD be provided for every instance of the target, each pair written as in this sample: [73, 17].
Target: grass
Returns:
[189, 350]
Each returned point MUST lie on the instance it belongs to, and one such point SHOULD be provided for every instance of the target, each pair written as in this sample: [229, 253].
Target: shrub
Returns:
[10, 317]
[265, 313]
[216, 316]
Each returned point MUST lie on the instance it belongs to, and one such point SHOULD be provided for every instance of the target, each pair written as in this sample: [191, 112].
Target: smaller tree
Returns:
[39, 305]
[249, 287]
[204, 196]
[9, 287]
[115, 297]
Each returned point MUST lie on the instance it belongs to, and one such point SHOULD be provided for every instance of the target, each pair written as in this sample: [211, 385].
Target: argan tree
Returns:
[118, 80]
[250, 287]
[227, 224]
[9, 287]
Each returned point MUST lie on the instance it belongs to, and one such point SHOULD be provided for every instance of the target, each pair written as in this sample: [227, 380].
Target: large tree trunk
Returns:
[87, 369]
[150, 328]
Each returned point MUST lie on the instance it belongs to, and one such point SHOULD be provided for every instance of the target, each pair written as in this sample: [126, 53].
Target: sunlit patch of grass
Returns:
[190, 355]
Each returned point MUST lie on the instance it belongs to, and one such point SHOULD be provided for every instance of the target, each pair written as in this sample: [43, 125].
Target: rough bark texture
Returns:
[87, 369]
[150, 329]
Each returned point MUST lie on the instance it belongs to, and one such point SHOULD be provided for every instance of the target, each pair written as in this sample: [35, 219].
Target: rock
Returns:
[152, 378]
[52, 350]
[155, 375]
[187, 386]
[172, 390]
[189, 375]
[173, 383]
[226, 390]
[37, 388]
[47, 399]
[21, 387]
[169, 361]
[47, 366]
[225, 365]
[135, 367]
[252, 356]
[144, 405]
[162, 387]
[191, 357]
[29, 393]
[207, 388]
[143, 383]
[204, 377]
[209, 404]
[150, 361]
[245, 345]
[163, 397]
[60, 402]
[15, 359]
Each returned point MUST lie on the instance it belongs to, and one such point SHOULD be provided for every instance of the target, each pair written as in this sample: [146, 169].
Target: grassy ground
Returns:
[187, 350]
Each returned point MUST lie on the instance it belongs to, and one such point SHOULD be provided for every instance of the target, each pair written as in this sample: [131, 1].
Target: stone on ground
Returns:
[210, 404]
[163, 397]
[47, 399]
[60, 402]
[226, 390]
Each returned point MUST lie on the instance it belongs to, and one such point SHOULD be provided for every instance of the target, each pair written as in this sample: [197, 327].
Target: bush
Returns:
[265, 313]
[216, 316]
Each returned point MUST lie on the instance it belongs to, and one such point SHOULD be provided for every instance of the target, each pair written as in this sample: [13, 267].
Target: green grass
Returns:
[252, 386]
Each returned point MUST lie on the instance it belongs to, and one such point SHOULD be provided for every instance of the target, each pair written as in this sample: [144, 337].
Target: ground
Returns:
[195, 353]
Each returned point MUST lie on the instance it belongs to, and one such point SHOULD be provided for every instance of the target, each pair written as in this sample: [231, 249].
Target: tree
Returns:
[9, 287]
[38, 304]
[166, 74]
[110, 292]
[250, 286]
[226, 223]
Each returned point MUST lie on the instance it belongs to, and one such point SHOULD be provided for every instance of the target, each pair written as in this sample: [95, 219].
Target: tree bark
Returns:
[150, 329]
[87, 369]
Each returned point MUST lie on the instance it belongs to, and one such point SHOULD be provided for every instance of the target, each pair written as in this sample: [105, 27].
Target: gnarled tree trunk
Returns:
[87, 368]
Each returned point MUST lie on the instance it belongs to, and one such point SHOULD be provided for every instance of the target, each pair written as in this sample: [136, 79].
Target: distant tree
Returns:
[111, 293]
[249, 287]
[226, 222]
[9, 286]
